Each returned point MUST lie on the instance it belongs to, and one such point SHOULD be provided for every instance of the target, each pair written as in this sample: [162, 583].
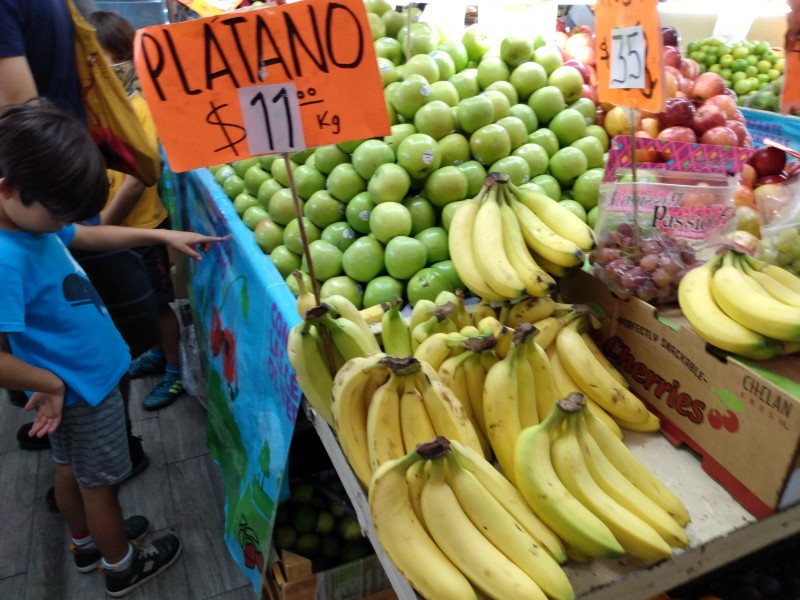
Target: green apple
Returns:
[398, 133]
[444, 61]
[568, 125]
[344, 182]
[323, 209]
[409, 96]
[279, 170]
[587, 108]
[311, 161]
[240, 167]
[546, 139]
[446, 185]
[419, 155]
[436, 244]
[569, 80]
[517, 132]
[388, 220]
[421, 41]
[535, 156]
[327, 260]
[514, 166]
[233, 186]
[423, 214]
[549, 184]
[292, 238]
[223, 172]
[476, 42]
[389, 48]
[491, 69]
[448, 269]
[475, 112]
[475, 173]
[592, 149]
[426, 284]
[499, 102]
[435, 119]
[308, 180]
[393, 21]
[370, 155]
[549, 57]
[527, 78]
[363, 260]
[444, 91]
[508, 90]
[448, 212]
[525, 114]
[244, 201]
[567, 164]
[285, 261]
[301, 156]
[389, 183]
[388, 72]
[281, 206]
[457, 52]
[466, 82]
[268, 235]
[586, 189]
[376, 26]
[454, 149]
[254, 177]
[425, 65]
[516, 50]
[358, 210]
[591, 216]
[266, 161]
[547, 102]
[327, 157]
[342, 285]
[254, 215]
[377, 7]
[534, 187]
[575, 208]
[350, 145]
[600, 134]
[340, 234]
[269, 187]
[382, 289]
[404, 256]
[490, 143]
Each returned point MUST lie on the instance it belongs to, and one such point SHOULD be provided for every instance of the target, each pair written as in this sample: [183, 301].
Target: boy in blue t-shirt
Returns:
[66, 351]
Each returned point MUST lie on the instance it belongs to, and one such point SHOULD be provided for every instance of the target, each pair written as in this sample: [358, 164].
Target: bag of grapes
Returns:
[679, 219]
[780, 237]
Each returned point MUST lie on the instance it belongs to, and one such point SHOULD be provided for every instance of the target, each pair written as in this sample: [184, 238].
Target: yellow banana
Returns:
[421, 312]
[462, 253]
[416, 477]
[544, 241]
[544, 384]
[482, 310]
[476, 376]
[347, 336]
[557, 217]
[505, 533]
[622, 490]
[452, 374]
[305, 297]
[465, 545]
[384, 433]
[395, 334]
[352, 391]
[510, 498]
[374, 313]
[405, 539]
[782, 276]
[710, 322]
[530, 310]
[548, 329]
[536, 479]
[630, 466]
[434, 350]
[415, 423]
[652, 423]
[422, 332]
[343, 307]
[554, 269]
[604, 418]
[523, 371]
[773, 287]
[603, 360]
[501, 409]
[634, 535]
[306, 355]
[594, 380]
[458, 315]
[536, 280]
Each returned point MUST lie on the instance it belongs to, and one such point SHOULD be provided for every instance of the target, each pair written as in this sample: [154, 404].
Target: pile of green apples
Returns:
[376, 212]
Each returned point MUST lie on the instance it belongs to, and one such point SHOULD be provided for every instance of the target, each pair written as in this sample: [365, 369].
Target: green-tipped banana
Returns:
[544, 241]
[395, 334]
[307, 356]
[557, 217]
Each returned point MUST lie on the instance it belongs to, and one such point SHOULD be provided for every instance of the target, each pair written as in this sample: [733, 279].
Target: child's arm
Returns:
[128, 194]
[48, 391]
[110, 237]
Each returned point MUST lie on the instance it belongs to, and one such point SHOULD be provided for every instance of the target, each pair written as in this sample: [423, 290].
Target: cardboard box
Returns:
[753, 450]
[291, 578]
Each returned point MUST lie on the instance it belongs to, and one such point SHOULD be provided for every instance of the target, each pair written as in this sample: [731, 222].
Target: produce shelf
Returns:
[721, 530]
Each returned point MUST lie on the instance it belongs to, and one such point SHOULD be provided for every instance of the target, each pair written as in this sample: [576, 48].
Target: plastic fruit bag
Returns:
[780, 238]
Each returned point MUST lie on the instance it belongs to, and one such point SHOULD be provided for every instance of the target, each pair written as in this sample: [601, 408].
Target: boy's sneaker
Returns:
[169, 389]
[149, 561]
[147, 364]
[88, 560]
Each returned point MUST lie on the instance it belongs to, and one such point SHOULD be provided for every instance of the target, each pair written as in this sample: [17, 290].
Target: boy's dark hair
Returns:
[49, 157]
[114, 34]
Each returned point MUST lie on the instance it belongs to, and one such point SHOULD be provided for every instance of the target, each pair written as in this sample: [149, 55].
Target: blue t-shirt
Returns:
[41, 30]
[54, 318]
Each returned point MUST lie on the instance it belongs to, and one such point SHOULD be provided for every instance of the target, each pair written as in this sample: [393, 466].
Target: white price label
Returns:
[628, 53]
[272, 118]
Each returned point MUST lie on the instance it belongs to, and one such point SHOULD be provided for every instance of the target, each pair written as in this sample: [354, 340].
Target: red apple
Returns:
[770, 179]
[580, 67]
[580, 46]
[589, 91]
[671, 85]
[689, 68]
[685, 86]
[677, 133]
[560, 39]
[600, 116]
[706, 85]
[672, 57]
[768, 161]
[719, 136]
[739, 129]
[670, 36]
[678, 111]
[726, 103]
[738, 116]
[707, 117]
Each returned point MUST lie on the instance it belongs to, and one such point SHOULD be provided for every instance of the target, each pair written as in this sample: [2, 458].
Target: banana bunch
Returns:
[457, 529]
[743, 305]
[592, 491]
[306, 300]
[383, 406]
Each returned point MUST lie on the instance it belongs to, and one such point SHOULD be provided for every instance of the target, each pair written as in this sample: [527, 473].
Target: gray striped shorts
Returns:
[94, 440]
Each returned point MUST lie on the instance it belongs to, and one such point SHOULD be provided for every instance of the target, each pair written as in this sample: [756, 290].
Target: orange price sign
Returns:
[261, 81]
[630, 65]
[790, 95]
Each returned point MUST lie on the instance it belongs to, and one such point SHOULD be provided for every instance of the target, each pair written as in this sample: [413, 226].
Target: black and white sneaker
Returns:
[87, 561]
[149, 561]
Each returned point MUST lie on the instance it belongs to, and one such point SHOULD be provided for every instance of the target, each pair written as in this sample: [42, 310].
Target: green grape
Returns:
[795, 268]
[783, 259]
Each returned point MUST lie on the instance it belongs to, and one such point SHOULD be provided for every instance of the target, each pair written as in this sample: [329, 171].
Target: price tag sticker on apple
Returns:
[630, 65]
